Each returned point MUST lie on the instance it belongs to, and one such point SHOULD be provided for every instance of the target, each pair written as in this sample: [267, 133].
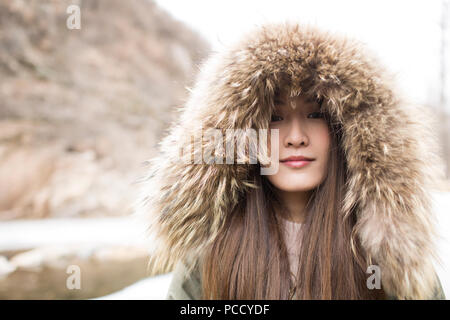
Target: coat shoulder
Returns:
[186, 282]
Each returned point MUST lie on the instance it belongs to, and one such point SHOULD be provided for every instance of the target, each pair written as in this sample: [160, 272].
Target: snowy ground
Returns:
[26, 234]
[154, 288]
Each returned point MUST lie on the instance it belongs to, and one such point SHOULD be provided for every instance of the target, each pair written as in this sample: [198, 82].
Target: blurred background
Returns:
[82, 109]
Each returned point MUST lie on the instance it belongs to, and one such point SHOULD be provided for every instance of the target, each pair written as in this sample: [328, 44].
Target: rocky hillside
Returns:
[80, 110]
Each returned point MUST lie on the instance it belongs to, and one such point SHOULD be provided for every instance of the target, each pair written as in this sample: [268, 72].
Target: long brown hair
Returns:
[249, 260]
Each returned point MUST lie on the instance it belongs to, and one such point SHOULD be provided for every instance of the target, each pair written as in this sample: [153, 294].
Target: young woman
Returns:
[351, 219]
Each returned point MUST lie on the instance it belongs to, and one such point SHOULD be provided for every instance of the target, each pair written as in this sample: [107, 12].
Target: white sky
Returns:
[404, 33]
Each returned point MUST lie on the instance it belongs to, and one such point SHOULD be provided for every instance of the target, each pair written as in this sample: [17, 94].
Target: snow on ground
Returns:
[25, 234]
[153, 288]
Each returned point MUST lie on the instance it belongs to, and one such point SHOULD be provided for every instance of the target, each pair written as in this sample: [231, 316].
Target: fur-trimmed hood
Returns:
[392, 154]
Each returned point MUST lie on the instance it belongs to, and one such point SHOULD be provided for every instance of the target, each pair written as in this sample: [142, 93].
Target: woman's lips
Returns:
[296, 163]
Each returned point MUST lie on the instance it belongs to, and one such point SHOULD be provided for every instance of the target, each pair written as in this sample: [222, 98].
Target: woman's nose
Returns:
[296, 135]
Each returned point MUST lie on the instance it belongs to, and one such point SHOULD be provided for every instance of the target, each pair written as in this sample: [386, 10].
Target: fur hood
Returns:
[393, 156]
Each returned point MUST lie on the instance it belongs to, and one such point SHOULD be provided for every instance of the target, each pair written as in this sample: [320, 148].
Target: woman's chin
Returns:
[296, 187]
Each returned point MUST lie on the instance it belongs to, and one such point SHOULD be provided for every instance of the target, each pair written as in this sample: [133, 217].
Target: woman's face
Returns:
[303, 131]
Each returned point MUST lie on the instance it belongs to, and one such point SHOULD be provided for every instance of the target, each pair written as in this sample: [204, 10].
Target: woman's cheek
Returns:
[269, 140]
[322, 139]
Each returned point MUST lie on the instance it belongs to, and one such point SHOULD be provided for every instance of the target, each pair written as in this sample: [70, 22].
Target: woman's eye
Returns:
[318, 114]
[276, 118]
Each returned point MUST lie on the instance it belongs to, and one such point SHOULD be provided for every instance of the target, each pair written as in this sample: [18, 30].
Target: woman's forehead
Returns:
[295, 102]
